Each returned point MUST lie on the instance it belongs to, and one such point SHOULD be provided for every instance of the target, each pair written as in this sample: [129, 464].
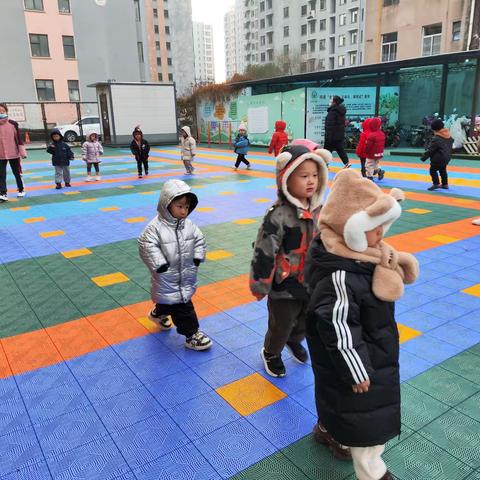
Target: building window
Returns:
[141, 58]
[167, 30]
[168, 45]
[45, 90]
[155, 12]
[432, 38]
[160, 77]
[311, 44]
[270, 38]
[388, 3]
[39, 45]
[262, 40]
[157, 45]
[323, 4]
[136, 4]
[354, 15]
[286, 49]
[286, 31]
[322, 44]
[269, 20]
[313, 26]
[155, 28]
[169, 61]
[353, 37]
[68, 47]
[456, 29]
[33, 5]
[342, 19]
[342, 40]
[262, 6]
[159, 61]
[303, 48]
[262, 23]
[165, 13]
[269, 4]
[342, 2]
[304, 11]
[73, 90]
[389, 47]
[270, 55]
[170, 77]
[64, 6]
[322, 25]
[286, 12]
[304, 29]
[353, 58]
[341, 60]
[262, 57]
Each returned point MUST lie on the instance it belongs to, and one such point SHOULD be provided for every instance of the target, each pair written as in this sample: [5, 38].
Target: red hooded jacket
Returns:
[279, 138]
[375, 143]
[363, 138]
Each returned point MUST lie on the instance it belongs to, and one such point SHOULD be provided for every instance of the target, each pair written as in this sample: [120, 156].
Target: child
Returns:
[172, 247]
[189, 146]
[140, 148]
[353, 278]
[440, 154]
[281, 248]
[91, 151]
[360, 151]
[374, 149]
[279, 138]
[241, 144]
[61, 156]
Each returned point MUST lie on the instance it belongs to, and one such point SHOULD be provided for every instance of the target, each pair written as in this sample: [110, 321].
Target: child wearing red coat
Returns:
[361, 145]
[374, 149]
[279, 138]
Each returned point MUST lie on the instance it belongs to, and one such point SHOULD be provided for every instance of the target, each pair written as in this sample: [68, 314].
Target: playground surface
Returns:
[90, 389]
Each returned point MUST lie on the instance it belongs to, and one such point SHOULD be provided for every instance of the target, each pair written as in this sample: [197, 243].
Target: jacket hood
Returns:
[88, 135]
[339, 108]
[280, 126]
[171, 190]
[56, 131]
[366, 125]
[290, 159]
[375, 124]
[187, 130]
[242, 126]
[137, 130]
[443, 133]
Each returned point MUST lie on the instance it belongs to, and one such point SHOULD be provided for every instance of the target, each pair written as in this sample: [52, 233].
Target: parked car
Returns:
[71, 133]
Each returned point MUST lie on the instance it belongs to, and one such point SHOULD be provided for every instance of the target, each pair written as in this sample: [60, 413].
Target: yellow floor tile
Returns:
[218, 255]
[19, 209]
[198, 186]
[125, 187]
[473, 290]
[442, 239]
[72, 192]
[148, 193]
[243, 181]
[204, 209]
[463, 201]
[135, 219]
[262, 200]
[110, 279]
[109, 209]
[77, 253]
[244, 221]
[227, 193]
[149, 325]
[34, 219]
[250, 394]
[88, 200]
[53, 233]
[419, 211]
[272, 186]
[407, 333]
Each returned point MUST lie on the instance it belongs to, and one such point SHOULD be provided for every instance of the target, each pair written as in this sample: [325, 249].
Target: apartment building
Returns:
[234, 24]
[403, 29]
[54, 49]
[204, 54]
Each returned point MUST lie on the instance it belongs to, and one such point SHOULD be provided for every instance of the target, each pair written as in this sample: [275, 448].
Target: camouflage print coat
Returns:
[287, 231]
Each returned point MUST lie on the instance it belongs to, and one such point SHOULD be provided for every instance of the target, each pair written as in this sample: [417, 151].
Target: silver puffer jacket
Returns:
[177, 243]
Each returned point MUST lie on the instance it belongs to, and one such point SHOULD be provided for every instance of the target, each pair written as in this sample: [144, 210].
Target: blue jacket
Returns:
[241, 144]
[60, 151]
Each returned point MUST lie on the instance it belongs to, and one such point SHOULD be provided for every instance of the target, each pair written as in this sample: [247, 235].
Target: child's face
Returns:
[179, 207]
[56, 137]
[137, 137]
[303, 182]
[374, 236]
[242, 132]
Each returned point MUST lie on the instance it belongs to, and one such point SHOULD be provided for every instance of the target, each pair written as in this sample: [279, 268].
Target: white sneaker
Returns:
[198, 341]
[88, 179]
[163, 321]
[3, 198]
[476, 222]
[21, 194]
[98, 178]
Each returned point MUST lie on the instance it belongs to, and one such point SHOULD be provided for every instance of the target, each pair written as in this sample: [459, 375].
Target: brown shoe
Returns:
[338, 450]
[388, 476]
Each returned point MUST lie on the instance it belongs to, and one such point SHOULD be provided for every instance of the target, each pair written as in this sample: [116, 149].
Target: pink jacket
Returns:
[91, 151]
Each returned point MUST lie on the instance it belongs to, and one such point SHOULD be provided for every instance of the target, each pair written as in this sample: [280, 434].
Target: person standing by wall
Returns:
[335, 129]
[11, 151]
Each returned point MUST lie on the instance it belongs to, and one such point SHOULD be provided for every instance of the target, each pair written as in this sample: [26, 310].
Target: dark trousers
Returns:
[95, 165]
[141, 163]
[337, 146]
[17, 172]
[286, 323]
[363, 161]
[434, 171]
[241, 158]
[183, 316]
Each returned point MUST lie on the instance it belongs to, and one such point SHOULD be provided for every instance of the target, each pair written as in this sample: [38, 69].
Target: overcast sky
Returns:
[212, 12]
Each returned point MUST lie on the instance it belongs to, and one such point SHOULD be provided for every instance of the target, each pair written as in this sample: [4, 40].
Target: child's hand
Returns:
[163, 268]
[361, 387]
[197, 262]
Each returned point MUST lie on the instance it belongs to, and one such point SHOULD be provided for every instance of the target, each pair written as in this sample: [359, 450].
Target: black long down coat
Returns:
[352, 336]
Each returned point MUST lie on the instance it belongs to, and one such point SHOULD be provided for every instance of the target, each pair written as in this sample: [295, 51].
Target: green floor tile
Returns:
[458, 434]
[471, 407]
[475, 349]
[445, 386]
[466, 364]
[419, 408]
[418, 459]
[474, 476]
[406, 432]
[316, 461]
[276, 467]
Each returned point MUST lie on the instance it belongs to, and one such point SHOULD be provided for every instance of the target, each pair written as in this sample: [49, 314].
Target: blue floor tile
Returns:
[471, 320]
[203, 415]
[457, 335]
[298, 377]
[139, 348]
[38, 471]
[13, 415]
[411, 365]
[431, 349]
[193, 358]
[420, 320]
[250, 355]
[217, 323]
[306, 398]
[237, 337]
[95, 362]
[44, 378]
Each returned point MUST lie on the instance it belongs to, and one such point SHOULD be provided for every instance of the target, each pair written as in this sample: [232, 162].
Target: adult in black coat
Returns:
[335, 129]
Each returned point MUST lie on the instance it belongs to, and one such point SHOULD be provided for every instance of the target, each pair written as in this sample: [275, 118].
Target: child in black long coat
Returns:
[140, 148]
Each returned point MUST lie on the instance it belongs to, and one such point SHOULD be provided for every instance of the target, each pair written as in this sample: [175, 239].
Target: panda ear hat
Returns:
[291, 158]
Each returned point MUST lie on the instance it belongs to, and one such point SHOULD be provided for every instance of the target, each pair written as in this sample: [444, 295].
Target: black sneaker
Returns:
[433, 187]
[273, 364]
[445, 187]
[163, 321]
[298, 352]
[67, 185]
[381, 174]
[58, 186]
[198, 341]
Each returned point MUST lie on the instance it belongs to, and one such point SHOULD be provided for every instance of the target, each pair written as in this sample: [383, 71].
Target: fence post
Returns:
[79, 117]
[219, 132]
[209, 127]
[45, 126]
[230, 133]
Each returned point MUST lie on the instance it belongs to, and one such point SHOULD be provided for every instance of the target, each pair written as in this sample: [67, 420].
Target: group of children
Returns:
[328, 276]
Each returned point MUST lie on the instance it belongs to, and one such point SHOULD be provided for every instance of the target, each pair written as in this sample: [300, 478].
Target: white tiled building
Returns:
[204, 56]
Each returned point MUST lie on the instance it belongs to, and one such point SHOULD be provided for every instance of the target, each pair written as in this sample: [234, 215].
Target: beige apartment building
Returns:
[403, 29]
